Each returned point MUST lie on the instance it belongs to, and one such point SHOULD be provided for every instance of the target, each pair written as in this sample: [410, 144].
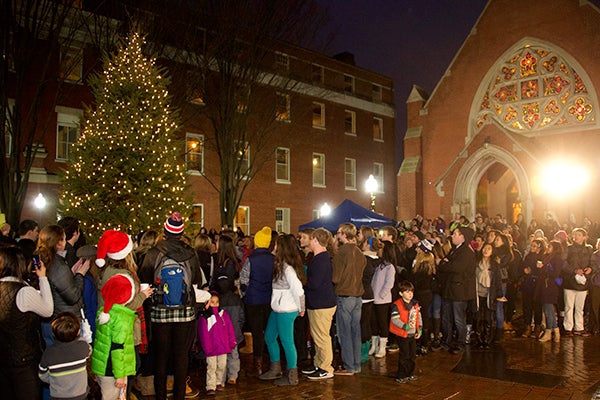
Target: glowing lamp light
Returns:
[562, 178]
[325, 210]
[40, 202]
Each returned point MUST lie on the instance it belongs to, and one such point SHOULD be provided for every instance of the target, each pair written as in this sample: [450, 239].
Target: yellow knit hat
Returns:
[262, 238]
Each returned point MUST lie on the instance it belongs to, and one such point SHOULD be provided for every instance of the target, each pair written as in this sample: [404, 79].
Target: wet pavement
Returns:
[518, 368]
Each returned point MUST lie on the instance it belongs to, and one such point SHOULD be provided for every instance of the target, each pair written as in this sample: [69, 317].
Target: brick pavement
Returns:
[520, 368]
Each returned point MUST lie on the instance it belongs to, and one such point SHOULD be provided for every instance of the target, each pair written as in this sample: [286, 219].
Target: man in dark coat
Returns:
[458, 271]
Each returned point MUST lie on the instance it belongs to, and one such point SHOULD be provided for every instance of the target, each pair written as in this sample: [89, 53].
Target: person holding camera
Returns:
[21, 307]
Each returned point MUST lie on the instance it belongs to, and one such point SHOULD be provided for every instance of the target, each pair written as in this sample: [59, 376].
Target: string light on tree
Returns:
[112, 181]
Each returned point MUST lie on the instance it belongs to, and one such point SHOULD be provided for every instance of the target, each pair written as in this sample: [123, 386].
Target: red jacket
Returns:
[403, 315]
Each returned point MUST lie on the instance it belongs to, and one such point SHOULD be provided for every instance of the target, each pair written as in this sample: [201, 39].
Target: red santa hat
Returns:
[114, 245]
[118, 289]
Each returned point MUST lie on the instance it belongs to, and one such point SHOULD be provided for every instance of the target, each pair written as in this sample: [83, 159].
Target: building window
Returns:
[376, 93]
[71, 64]
[282, 107]
[316, 214]
[194, 153]
[282, 61]
[318, 162]
[318, 74]
[318, 115]
[282, 165]
[378, 175]
[197, 218]
[67, 132]
[348, 84]
[350, 122]
[282, 220]
[378, 129]
[350, 174]
[242, 219]
[242, 95]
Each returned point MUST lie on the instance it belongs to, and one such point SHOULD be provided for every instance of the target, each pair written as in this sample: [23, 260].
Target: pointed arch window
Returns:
[536, 88]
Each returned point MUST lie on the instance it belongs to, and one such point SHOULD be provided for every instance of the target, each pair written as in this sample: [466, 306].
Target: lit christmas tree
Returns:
[124, 171]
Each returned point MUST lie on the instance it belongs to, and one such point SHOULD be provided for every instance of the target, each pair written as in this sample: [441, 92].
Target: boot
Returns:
[364, 352]
[486, 336]
[381, 351]
[146, 385]
[437, 323]
[247, 349]
[547, 336]
[556, 332]
[536, 331]
[258, 366]
[374, 345]
[527, 331]
[274, 372]
[290, 379]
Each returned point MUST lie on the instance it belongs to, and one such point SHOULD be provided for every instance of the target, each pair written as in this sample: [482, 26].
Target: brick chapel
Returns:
[512, 126]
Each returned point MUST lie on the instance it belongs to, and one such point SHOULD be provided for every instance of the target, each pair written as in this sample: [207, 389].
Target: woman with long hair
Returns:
[66, 286]
[228, 263]
[489, 288]
[287, 302]
[370, 246]
[547, 288]
[21, 307]
[501, 259]
[147, 241]
[203, 247]
[531, 308]
[424, 273]
[382, 284]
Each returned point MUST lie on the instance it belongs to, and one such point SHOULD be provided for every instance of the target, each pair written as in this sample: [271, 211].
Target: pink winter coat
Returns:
[216, 333]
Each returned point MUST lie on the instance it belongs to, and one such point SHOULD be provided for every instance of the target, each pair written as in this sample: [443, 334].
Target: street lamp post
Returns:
[40, 204]
[371, 187]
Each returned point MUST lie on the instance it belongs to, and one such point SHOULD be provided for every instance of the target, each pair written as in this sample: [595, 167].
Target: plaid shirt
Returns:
[162, 314]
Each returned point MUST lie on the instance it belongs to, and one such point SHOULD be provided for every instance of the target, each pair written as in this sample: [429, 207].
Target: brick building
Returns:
[335, 129]
[512, 126]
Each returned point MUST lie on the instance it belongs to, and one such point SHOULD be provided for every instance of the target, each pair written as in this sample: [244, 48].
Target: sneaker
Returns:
[320, 374]
[190, 392]
[393, 348]
[210, 393]
[344, 372]
[413, 378]
[402, 380]
[309, 370]
[220, 388]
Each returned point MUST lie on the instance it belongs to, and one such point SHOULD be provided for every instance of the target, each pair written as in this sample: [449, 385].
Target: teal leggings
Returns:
[282, 325]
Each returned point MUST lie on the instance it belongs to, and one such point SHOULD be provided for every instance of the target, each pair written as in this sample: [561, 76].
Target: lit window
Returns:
[318, 115]
[378, 129]
[318, 75]
[242, 95]
[71, 64]
[318, 162]
[282, 107]
[197, 218]
[282, 220]
[282, 165]
[348, 84]
[282, 61]
[350, 122]
[242, 219]
[376, 93]
[194, 153]
[67, 132]
[350, 174]
[378, 175]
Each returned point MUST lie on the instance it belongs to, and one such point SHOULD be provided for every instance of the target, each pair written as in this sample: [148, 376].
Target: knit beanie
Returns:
[174, 224]
[262, 238]
[118, 289]
[114, 245]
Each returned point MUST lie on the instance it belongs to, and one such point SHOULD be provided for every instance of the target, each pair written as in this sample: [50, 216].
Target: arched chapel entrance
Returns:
[492, 181]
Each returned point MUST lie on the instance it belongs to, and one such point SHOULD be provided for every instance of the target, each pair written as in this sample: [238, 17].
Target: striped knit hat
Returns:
[174, 224]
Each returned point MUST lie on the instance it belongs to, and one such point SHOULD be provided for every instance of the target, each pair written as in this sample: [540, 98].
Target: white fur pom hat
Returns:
[118, 289]
[114, 245]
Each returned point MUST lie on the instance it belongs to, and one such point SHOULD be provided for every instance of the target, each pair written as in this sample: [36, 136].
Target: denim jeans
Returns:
[454, 315]
[550, 316]
[500, 309]
[347, 319]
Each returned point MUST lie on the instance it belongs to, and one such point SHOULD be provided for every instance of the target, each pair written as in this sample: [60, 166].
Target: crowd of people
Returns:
[84, 321]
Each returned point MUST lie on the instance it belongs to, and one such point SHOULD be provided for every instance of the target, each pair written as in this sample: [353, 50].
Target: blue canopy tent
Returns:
[349, 211]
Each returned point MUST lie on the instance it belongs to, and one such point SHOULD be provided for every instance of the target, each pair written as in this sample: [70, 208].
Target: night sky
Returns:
[411, 41]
